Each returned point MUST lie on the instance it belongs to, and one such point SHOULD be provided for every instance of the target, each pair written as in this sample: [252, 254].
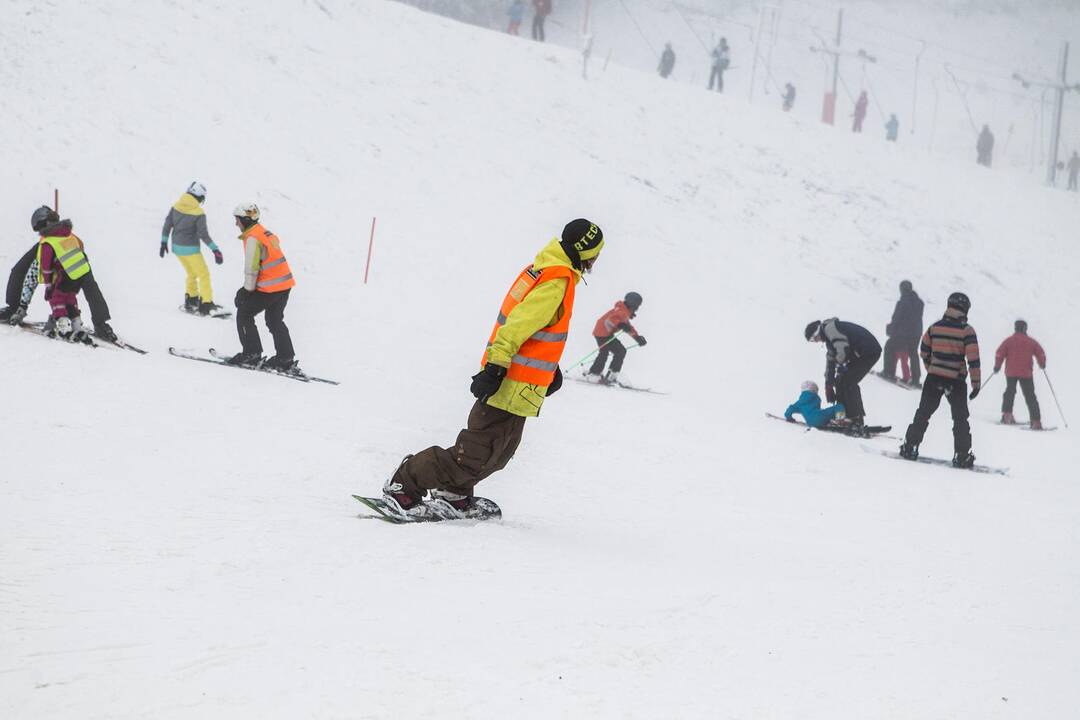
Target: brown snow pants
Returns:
[485, 446]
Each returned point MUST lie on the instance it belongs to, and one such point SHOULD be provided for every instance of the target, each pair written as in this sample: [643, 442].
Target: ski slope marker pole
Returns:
[371, 243]
[582, 360]
[1055, 397]
[56, 200]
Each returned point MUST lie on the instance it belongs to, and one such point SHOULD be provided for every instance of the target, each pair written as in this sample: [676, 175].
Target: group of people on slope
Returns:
[720, 61]
[516, 11]
[60, 262]
[949, 349]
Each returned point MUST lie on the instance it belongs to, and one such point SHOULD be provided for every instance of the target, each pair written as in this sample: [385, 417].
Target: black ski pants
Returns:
[274, 306]
[99, 309]
[1027, 385]
[932, 392]
[895, 345]
[608, 346]
[538, 27]
[716, 75]
[848, 393]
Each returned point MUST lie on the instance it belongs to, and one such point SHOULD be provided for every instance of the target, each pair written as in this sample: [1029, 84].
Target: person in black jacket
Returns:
[904, 331]
[851, 351]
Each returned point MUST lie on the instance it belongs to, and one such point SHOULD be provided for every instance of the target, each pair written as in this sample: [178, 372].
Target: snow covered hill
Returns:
[178, 540]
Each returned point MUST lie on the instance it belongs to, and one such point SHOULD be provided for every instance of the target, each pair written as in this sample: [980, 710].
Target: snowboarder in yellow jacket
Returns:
[519, 369]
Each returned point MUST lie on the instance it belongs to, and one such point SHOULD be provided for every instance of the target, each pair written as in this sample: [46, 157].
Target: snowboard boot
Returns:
[248, 360]
[191, 303]
[965, 460]
[401, 503]
[447, 505]
[856, 427]
[1008, 419]
[208, 308]
[909, 451]
[285, 366]
[106, 333]
[1036, 425]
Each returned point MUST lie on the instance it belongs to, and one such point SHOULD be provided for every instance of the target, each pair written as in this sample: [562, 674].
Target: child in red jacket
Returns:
[611, 322]
[1016, 354]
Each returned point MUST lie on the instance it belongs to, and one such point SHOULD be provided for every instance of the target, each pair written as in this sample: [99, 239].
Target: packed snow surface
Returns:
[178, 540]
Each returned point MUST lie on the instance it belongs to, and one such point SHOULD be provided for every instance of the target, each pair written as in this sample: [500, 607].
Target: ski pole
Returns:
[983, 386]
[1055, 398]
[582, 360]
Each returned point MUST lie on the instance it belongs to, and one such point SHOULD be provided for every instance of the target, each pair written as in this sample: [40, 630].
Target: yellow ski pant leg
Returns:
[198, 277]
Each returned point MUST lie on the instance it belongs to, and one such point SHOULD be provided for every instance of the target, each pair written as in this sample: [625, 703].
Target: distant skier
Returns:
[25, 277]
[789, 97]
[721, 60]
[667, 61]
[904, 331]
[186, 222]
[1074, 170]
[892, 128]
[950, 349]
[1016, 353]
[517, 14]
[267, 284]
[520, 368]
[984, 147]
[809, 406]
[851, 351]
[541, 9]
[610, 323]
[860, 112]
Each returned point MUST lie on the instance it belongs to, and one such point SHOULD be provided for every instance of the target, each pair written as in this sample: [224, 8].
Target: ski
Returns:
[122, 345]
[898, 382]
[620, 385]
[1025, 426]
[39, 329]
[305, 376]
[984, 469]
[868, 430]
[222, 315]
[217, 361]
[485, 509]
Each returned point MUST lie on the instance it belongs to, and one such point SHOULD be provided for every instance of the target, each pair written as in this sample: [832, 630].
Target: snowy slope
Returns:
[180, 540]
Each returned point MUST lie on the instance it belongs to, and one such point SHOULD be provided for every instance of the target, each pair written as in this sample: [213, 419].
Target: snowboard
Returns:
[898, 382]
[868, 430]
[220, 314]
[485, 510]
[218, 359]
[985, 469]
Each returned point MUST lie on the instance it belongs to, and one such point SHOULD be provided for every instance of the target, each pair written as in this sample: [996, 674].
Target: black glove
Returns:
[486, 382]
[974, 392]
[830, 392]
[640, 339]
[555, 384]
[164, 249]
[218, 257]
[242, 296]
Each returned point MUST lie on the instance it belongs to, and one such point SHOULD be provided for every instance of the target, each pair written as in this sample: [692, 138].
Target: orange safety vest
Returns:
[274, 273]
[538, 357]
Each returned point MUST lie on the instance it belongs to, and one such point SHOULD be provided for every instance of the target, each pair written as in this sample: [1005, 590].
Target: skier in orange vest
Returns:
[267, 283]
[520, 367]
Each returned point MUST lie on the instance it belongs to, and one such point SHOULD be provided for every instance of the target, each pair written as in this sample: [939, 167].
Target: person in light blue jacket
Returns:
[809, 406]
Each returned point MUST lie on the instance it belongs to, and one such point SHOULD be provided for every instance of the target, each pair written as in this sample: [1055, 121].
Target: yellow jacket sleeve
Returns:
[540, 308]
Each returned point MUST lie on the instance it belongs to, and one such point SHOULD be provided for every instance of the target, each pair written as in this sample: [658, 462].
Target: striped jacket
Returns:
[950, 348]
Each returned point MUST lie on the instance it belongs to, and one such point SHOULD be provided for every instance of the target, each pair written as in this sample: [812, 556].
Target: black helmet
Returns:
[812, 330]
[905, 286]
[960, 301]
[632, 300]
[1020, 326]
[43, 217]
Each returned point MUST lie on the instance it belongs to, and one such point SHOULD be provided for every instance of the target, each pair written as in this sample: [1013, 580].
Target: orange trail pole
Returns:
[371, 244]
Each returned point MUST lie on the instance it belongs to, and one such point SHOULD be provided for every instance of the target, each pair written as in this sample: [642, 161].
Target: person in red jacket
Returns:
[1016, 354]
[611, 322]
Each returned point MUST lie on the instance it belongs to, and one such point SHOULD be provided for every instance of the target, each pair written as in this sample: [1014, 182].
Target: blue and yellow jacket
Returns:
[809, 406]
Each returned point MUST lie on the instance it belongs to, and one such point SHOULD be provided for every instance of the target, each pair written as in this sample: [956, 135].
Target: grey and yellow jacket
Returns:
[186, 222]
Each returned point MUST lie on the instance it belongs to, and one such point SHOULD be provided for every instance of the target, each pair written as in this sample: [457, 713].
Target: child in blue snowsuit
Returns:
[809, 406]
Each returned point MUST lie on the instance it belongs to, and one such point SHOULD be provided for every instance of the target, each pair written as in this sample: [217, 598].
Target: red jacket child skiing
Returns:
[1016, 353]
[614, 320]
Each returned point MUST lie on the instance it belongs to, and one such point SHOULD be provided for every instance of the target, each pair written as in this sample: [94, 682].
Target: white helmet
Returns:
[247, 210]
[197, 189]
[811, 386]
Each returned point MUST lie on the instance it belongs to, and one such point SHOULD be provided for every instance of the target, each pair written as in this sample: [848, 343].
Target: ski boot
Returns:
[964, 460]
[6, 313]
[909, 451]
[1008, 419]
[208, 308]
[191, 304]
[610, 378]
[106, 333]
[79, 333]
[285, 366]
[245, 359]
[1036, 425]
[446, 505]
[61, 328]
